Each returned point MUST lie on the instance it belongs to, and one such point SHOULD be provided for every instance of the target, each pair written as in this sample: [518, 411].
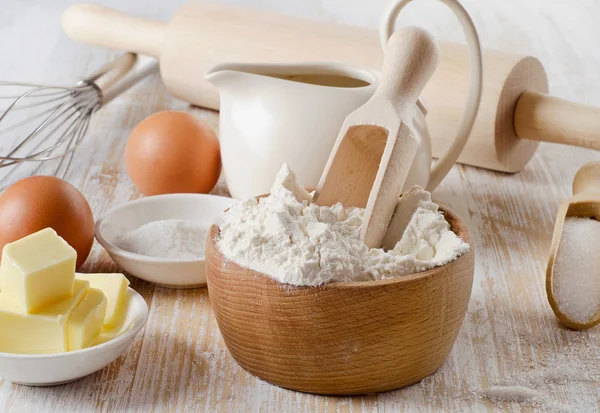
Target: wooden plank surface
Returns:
[179, 363]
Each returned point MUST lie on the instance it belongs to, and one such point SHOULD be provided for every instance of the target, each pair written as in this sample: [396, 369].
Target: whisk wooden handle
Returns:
[120, 78]
[102, 26]
[110, 73]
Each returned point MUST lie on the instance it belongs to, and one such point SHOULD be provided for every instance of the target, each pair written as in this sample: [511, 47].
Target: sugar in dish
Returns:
[191, 213]
[576, 272]
[171, 239]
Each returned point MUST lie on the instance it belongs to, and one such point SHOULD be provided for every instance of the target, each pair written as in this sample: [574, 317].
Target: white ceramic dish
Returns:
[172, 273]
[55, 369]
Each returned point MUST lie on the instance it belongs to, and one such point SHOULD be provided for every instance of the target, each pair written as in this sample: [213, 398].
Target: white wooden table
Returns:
[179, 362]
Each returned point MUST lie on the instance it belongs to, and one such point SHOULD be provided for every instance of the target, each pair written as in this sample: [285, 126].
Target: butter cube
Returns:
[114, 287]
[86, 320]
[41, 333]
[123, 323]
[37, 270]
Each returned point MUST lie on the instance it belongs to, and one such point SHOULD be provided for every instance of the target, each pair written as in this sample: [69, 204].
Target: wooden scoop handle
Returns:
[105, 27]
[411, 57]
[545, 118]
[356, 158]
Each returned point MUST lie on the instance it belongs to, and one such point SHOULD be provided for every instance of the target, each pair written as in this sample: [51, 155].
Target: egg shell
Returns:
[173, 152]
[39, 202]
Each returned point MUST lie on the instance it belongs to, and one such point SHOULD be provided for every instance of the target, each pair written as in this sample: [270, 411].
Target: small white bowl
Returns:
[60, 368]
[165, 272]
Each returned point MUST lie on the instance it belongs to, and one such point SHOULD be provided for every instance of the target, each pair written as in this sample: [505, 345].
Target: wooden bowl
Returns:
[341, 338]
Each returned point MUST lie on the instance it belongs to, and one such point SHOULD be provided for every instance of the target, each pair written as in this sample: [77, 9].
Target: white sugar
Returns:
[171, 238]
[576, 274]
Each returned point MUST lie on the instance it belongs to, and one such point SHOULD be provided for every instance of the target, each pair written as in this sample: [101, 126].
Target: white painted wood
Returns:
[180, 364]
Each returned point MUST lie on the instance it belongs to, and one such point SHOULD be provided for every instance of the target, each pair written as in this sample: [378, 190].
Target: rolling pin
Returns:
[516, 112]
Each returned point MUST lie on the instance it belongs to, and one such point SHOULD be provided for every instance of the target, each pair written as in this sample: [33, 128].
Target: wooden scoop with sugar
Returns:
[573, 272]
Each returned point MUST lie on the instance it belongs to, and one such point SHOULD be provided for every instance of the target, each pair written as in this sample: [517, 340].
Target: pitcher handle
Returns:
[445, 162]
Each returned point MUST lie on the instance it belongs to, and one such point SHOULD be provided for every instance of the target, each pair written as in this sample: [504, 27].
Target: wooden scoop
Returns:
[375, 147]
[585, 203]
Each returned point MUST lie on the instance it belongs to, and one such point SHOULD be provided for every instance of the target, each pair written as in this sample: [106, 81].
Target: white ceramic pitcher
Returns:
[275, 113]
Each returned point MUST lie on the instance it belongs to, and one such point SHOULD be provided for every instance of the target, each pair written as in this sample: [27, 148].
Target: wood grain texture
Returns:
[179, 362]
[340, 338]
[354, 163]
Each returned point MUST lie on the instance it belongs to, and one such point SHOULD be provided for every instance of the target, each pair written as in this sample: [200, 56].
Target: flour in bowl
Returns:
[297, 242]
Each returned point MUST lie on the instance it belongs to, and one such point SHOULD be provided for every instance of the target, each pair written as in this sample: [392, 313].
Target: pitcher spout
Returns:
[224, 73]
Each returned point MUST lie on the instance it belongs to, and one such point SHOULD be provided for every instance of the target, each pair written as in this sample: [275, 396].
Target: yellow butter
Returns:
[37, 270]
[114, 287]
[40, 333]
[86, 320]
[123, 323]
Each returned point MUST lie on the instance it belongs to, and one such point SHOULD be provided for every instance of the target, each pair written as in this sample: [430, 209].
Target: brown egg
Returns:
[39, 202]
[173, 152]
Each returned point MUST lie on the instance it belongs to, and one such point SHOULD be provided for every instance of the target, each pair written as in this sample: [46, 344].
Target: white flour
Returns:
[299, 243]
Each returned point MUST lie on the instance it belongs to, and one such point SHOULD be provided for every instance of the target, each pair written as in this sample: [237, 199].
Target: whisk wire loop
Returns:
[41, 123]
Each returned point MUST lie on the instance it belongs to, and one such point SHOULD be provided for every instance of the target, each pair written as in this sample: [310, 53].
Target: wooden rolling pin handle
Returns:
[102, 26]
[545, 118]
[416, 52]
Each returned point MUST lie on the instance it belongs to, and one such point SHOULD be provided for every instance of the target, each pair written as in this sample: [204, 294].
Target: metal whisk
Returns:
[49, 122]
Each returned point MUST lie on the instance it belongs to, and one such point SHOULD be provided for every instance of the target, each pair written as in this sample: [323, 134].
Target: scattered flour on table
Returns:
[519, 394]
[576, 273]
[566, 371]
[297, 242]
[171, 238]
